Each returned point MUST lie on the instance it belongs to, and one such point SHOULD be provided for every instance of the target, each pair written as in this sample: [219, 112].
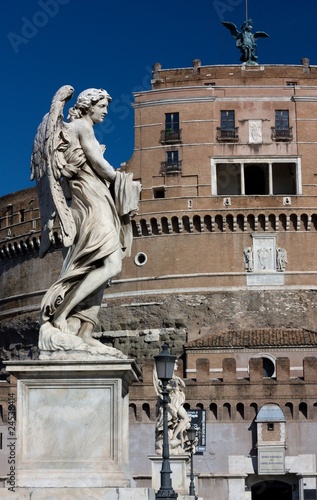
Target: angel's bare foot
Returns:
[85, 332]
[61, 324]
[74, 325]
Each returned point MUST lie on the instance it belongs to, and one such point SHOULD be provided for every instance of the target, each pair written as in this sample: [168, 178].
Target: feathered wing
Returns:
[232, 28]
[260, 34]
[47, 167]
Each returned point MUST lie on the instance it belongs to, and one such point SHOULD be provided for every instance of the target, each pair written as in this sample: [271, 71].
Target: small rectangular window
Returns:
[227, 120]
[172, 164]
[270, 426]
[282, 131]
[159, 192]
[227, 132]
[9, 215]
[172, 132]
[172, 157]
[282, 119]
[172, 122]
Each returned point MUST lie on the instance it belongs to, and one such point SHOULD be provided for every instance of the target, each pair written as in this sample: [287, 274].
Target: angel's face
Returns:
[98, 112]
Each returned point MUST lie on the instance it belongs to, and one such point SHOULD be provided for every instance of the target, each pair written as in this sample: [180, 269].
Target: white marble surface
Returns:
[83, 494]
[180, 480]
[80, 494]
[72, 423]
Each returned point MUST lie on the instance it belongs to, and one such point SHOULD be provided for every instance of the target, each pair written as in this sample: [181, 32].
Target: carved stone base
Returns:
[79, 494]
[180, 481]
[72, 423]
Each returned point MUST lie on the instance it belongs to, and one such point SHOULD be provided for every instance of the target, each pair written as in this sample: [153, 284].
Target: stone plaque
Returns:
[271, 461]
[255, 131]
[268, 279]
[264, 253]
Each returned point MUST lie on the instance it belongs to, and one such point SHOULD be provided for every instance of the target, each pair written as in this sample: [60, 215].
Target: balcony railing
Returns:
[171, 136]
[279, 134]
[171, 167]
[227, 134]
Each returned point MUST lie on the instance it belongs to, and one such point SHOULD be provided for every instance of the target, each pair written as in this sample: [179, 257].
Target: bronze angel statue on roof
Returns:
[245, 40]
[93, 203]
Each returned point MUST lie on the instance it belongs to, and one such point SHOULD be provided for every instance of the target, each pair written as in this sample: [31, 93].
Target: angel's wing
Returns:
[47, 164]
[232, 28]
[260, 34]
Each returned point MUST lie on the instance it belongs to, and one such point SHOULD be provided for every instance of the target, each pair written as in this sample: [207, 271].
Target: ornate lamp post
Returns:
[192, 434]
[165, 363]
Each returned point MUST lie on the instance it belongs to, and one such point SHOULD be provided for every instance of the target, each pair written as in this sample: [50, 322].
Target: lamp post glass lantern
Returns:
[165, 363]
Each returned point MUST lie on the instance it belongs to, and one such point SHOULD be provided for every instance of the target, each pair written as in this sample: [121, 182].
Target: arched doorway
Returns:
[271, 490]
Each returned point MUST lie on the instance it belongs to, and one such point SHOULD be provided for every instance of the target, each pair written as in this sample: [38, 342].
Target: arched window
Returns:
[214, 411]
[146, 411]
[218, 223]
[229, 220]
[268, 363]
[272, 223]
[289, 411]
[253, 410]
[207, 222]
[304, 222]
[268, 368]
[303, 415]
[197, 223]
[134, 229]
[251, 222]
[226, 412]
[154, 226]
[240, 411]
[293, 222]
[143, 227]
[175, 225]
[261, 220]
[283, 222]
[186, 224]
[132, 412]
[240, 222]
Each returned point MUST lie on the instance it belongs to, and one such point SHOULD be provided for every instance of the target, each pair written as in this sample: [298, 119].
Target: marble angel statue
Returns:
[93, 203]
[178, 418]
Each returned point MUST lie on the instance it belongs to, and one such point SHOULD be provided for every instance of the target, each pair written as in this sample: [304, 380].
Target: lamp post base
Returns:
[166, 494]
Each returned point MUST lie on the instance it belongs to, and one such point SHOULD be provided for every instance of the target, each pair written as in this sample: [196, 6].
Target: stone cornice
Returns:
[304, 98]
[180, 100]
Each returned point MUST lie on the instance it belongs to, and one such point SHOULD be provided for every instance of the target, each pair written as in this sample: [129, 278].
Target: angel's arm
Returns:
[180, 381]
[93, 151]
[157, 383]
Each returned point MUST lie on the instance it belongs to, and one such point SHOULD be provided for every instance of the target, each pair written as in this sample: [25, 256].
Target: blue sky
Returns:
[113, 44]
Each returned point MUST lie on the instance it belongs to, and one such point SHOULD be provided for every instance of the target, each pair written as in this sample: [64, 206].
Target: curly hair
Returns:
[85, 101]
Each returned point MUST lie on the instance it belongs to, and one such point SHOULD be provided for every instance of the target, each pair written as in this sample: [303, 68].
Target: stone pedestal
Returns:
[180, 481]
[80, 494]
[72, 423]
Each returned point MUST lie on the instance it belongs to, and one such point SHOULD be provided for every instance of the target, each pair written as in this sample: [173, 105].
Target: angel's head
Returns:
[93, 102]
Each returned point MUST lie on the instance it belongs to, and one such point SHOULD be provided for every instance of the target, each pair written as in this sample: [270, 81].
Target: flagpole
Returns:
[246, 10]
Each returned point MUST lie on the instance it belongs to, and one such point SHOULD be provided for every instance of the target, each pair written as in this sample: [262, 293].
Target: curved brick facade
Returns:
[226, 157]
